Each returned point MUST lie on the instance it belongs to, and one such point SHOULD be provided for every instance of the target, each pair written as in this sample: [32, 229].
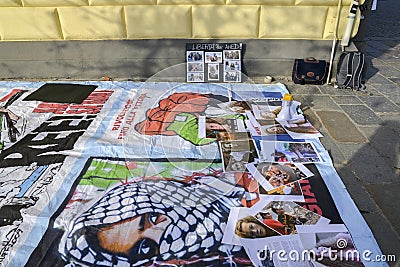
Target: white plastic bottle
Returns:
[285, 113]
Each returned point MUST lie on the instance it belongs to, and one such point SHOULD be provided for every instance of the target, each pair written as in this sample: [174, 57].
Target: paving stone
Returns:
[312, 118]
[386, 141]
[361, 115]
[307, 89]
[379, 104]
[395, 80]
[392, 121]
[347, 132]
[388, 71]
[390, 90]
[367, 164]
[318, 102]
[356, 190]
[379, 79]
[330, 90]
[385, 235]
[333, 150]
[385, 195]
[346, 100]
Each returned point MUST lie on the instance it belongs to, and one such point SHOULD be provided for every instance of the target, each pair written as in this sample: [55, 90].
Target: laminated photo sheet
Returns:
[263, 127]
[209, 126]
[284, 216]
[273, 251]
[236, 106]
[237, 154]
[237, 213]
[295, 152]
[290, 192]
[278, 174]
[329, 245]
[300, 130]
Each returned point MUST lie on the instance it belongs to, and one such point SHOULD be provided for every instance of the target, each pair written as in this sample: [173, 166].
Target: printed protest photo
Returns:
[232, 65]
[213, 57]
[213, 72]
[278, 175]
[301, 130]
[231, 54]
[195, 56]
[210, 126]
[296, 152]
[236, 106]
[195, 77]
[237, 154]
[283, 216]
[195, 67]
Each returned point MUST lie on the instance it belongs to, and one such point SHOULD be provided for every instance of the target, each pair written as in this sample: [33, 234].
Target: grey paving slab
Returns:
[340, 128]
[346, 100]
[395, 80]
[388, 71]
[379, 79]
[392, 121]
[318, 102]
[379, 104]
[330, 90]
[307, 89]
[361, 115]
[386, 141]
[385, 195]
[385, 235]
[391, 90]
[358, 193]
[367, 164]
[333, 150]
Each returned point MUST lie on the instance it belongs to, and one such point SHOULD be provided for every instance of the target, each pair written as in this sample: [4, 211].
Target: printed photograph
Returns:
[296, 152]
[195, 67]
[301, 130]
[236, 106]
[232, 54]
[232, 76]
[195, 56]
[195, 77]
[213, 57]
[237, 154]
[278, 175]
[213, 72]
[283, 216]
[210, 126]
[232, 65]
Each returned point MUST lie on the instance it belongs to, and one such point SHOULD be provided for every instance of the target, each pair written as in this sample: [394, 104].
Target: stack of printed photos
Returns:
[281, 212]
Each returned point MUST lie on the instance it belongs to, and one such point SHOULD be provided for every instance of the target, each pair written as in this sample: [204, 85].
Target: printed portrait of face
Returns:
[139, 223]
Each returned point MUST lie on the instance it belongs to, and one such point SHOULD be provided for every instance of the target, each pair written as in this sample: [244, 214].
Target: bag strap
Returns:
[349, 70]
[358, 72]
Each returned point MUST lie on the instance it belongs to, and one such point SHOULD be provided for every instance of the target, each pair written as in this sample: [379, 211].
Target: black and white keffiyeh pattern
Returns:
[198, 219]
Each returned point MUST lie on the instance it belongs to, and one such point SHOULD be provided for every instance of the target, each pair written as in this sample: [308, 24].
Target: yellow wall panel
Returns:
[261, 2]
[298, 22]
[54, 3]
[331, 22]
[158, 21]
[92, 22]
[10, 3]
[121, 2]
[225, 21]
[191, 2]
[28, 24]
[322, 2]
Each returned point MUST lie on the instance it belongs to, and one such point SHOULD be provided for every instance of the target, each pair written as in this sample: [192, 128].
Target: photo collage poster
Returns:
[214, 63]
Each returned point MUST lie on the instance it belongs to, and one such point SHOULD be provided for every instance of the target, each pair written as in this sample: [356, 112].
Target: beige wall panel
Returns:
[10, 3]
[28, 24]
[322, 2]
[191, 2]
[121, 2]
[331, 22]
[292, 22]
[86, 23]
[261, 2]
[225, 21]
[54, 3]
[158, 22]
